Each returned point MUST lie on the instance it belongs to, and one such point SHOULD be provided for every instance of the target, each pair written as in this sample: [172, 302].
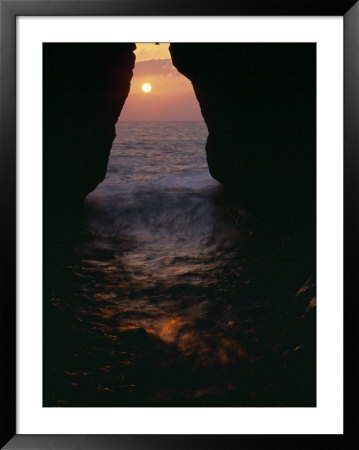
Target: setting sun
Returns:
[158, 91]
[146, 87]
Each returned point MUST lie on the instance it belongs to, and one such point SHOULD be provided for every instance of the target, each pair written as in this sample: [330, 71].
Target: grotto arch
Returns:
[258, 101]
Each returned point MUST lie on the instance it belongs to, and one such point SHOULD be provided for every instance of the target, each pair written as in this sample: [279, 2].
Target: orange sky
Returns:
[172, 96]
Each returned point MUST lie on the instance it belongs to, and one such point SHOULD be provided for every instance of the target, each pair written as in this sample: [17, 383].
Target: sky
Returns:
[171, 96]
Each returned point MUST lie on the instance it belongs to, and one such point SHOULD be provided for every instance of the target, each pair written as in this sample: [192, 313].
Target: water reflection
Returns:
[173, 297]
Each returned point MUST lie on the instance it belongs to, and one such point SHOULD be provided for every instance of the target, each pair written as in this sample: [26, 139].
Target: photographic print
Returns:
[179, 224]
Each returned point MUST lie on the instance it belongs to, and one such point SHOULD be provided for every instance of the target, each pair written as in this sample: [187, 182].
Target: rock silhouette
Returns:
[85, 86]
[259, 103]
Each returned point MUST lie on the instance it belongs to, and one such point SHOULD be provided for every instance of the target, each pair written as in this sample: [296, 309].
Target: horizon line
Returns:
[156, 120]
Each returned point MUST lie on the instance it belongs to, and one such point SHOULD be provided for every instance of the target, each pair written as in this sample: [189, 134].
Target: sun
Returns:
[146, 87]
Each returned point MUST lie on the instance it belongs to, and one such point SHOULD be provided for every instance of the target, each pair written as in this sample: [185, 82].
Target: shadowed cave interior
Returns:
[259, 104]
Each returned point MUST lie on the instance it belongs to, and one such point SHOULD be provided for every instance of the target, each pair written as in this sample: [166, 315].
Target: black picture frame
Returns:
[9, 10]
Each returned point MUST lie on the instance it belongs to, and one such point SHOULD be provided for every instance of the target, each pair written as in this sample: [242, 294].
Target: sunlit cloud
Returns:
[155, 67]
[147, 51]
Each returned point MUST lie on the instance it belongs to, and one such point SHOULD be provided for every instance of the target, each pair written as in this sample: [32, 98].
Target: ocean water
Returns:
[159, 200]
[172, 297]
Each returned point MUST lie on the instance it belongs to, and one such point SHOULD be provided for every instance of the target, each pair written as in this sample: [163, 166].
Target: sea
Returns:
[174, 295]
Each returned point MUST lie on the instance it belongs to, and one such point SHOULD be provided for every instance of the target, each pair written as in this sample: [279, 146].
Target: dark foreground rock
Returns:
[84, 89]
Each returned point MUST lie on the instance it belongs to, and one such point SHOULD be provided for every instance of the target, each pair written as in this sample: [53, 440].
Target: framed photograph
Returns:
[174, 180]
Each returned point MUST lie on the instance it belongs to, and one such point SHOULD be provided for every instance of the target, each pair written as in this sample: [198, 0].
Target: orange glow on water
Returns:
[169, 329]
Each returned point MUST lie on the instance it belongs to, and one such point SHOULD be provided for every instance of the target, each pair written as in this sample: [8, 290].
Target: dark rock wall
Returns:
[85, 86]
[259, 103]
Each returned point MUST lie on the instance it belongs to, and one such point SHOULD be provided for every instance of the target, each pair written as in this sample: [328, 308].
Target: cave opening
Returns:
[157, 213]
[158, 195]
